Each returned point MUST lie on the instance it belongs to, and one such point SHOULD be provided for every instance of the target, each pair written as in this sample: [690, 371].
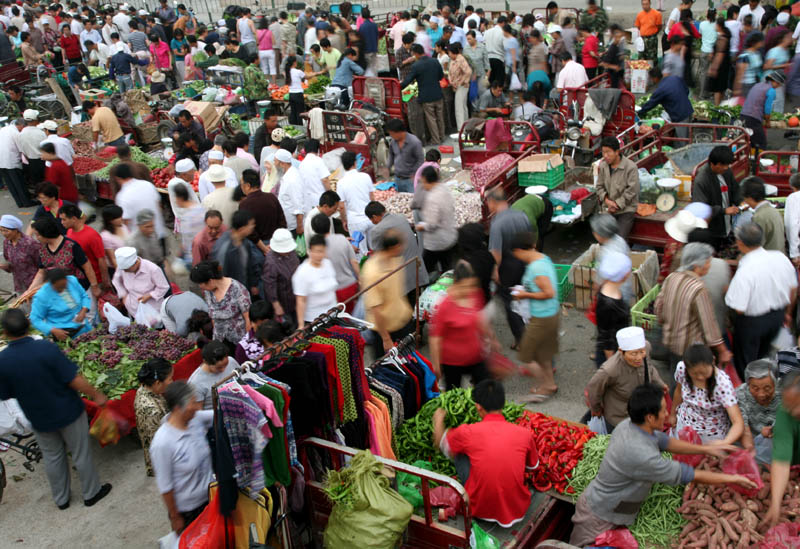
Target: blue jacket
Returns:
[427, 72]
[49, 310]
[672, 94]
[121, 64]
[344, 73]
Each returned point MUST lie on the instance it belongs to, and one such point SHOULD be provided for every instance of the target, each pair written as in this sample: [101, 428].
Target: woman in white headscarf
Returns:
[189, 213]
[269, 176]
[20, 251]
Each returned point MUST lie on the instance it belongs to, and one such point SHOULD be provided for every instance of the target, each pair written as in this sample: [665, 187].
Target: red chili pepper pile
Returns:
[560, 447]
[83, 165]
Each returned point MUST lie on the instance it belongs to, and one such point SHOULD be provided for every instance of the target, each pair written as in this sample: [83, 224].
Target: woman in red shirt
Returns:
[70, 47]
[59, 173]
[590, 53]
[459, 331]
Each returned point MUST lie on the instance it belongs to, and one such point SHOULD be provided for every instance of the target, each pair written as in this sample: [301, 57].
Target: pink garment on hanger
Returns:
[267, 406]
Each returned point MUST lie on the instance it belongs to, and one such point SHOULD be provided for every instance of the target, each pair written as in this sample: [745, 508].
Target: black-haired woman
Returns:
[155, 375]
[297, 102]
[249, 347]
[228, 302]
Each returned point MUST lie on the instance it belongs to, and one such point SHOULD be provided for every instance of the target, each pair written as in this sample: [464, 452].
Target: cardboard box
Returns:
[583, 274]
[638, 81]
[92, 95]
[541, 169]
[205, 110]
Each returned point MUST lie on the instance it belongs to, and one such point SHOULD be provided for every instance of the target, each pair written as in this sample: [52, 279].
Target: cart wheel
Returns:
[54, 110]
[165, 129]
[33, 453]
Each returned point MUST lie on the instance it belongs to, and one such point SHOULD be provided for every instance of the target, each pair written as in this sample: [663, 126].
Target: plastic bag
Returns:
[301, 245]
[147, 315]
[781, 536]
[207, 531]
[618, 537]
[378, 515]
[472, 95]
[688, 434]
[170, 541]
[598, 425]
[480, 539]
[446, 498]
[115, 318]
[743, 463]
[107, 427]
[515, 85]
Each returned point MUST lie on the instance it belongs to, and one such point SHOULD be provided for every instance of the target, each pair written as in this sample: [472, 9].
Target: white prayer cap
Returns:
[11, 222]
[782, 18]
[184, 165]
[631, 339]
[217, 173]
[282, 155]
[50, 125]
[701, 210]
[126, 257]
[614, 266]
[30, 114]
[216, 155]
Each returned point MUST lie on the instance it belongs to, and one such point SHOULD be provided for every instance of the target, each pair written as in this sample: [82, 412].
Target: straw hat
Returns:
[157, 77]
[681, 224]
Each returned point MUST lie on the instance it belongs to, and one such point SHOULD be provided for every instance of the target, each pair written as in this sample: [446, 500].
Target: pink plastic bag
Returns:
[687, 434]
[618, 537]
[782, 536]
[446, 497]
[743, 463]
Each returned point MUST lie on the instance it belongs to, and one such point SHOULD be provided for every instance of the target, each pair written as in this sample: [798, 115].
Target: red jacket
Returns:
[60, 174]
[71, 46]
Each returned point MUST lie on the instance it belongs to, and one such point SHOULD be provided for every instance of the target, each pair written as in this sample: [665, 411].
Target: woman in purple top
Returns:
[20, 251]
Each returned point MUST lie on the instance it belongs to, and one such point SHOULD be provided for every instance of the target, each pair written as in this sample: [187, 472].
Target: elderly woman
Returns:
[684, 306]
[149, 404]
[144, 238]
[611, 386]
[138, 281]
[228, 302]
[181, 456]
[759, 401]
[249, 347]
[216, 366]
[20, 251]
[612, 312]
[280, 263]
[605, 230]
[704, 399]
[60, 306]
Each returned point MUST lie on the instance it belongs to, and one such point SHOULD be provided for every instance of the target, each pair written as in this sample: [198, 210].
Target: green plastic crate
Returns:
[639, 317]
[564, 285]
[550, 179]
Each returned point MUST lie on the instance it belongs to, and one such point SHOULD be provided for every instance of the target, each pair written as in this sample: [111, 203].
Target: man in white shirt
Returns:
[204, 185]
[791, 219]
[356, 191]
[733, 25]
[122, 20]
[755, 9]
[471, 16]
[221, 198]
[290, 191]
[572, 75]
[493, 39]
[89, 33]
[99, 53]
[30, 138]
[136, 195]
[11, 164]
[315, 174]
[63, 145]
[762, 293]
[329, 204]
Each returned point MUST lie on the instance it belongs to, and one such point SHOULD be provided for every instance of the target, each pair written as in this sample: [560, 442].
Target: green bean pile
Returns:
[658, 523]
[414, 439]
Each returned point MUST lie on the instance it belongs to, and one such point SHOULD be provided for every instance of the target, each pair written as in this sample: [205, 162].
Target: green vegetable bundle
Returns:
[658, 523]
[414, 439]
[137, 155]
[97, 72]
[233, 62]
[319, 85]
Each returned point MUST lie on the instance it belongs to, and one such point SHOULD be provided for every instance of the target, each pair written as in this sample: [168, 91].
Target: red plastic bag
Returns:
[618, 537]
[781, 536]
[108, 426]
[687, 434]
[743, 463]
[208, 531]
[447, 498]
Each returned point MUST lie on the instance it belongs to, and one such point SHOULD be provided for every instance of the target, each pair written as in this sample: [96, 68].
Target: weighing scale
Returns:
[667, 200]
[536, 189]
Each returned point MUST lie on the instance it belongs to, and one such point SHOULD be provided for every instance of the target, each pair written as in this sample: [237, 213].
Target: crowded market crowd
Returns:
[271, 241]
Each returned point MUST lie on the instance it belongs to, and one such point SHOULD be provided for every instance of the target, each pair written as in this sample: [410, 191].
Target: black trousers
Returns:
[453, 374]
[443, 258]
[497, 72]
[12, 179]
[297, 104]
[752, 337]
[759, 137]
[33, 172]
[591, 73]
[515, 321]
[377, 344]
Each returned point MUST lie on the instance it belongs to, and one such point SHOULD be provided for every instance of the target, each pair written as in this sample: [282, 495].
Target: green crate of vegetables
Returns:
[640, 312]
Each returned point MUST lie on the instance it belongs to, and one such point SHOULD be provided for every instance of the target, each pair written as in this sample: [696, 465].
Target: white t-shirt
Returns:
[310, 39]
[205, 187]
[795, 36]
[674, 17]
[102, 53]
[291, 197]
[296, 86]
[313, 170]
[317, 285]
[137, 195]
[474, 17]
[736, 28]
[354, 189]
[757, 14]
[572, 75]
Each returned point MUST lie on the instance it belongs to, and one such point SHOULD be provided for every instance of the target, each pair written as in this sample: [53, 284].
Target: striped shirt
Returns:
[754, 414]
[686, 313]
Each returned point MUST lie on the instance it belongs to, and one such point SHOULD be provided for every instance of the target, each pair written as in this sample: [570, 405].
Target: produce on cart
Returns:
[137, 155]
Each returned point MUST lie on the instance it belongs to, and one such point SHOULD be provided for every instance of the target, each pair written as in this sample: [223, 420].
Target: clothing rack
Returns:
[320, 322]
[402, 346]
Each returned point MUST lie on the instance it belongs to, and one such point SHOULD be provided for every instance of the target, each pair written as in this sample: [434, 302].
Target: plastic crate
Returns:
[639, 317]
[564, 285]
[550, 179]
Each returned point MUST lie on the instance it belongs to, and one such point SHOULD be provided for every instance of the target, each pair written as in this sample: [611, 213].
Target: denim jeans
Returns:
[404, 185]
[125, 82]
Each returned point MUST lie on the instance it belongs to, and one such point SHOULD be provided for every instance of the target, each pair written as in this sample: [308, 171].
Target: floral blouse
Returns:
[248, 348]
[707, 417]
[228, 314]
[23, 260]
[150, 409]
